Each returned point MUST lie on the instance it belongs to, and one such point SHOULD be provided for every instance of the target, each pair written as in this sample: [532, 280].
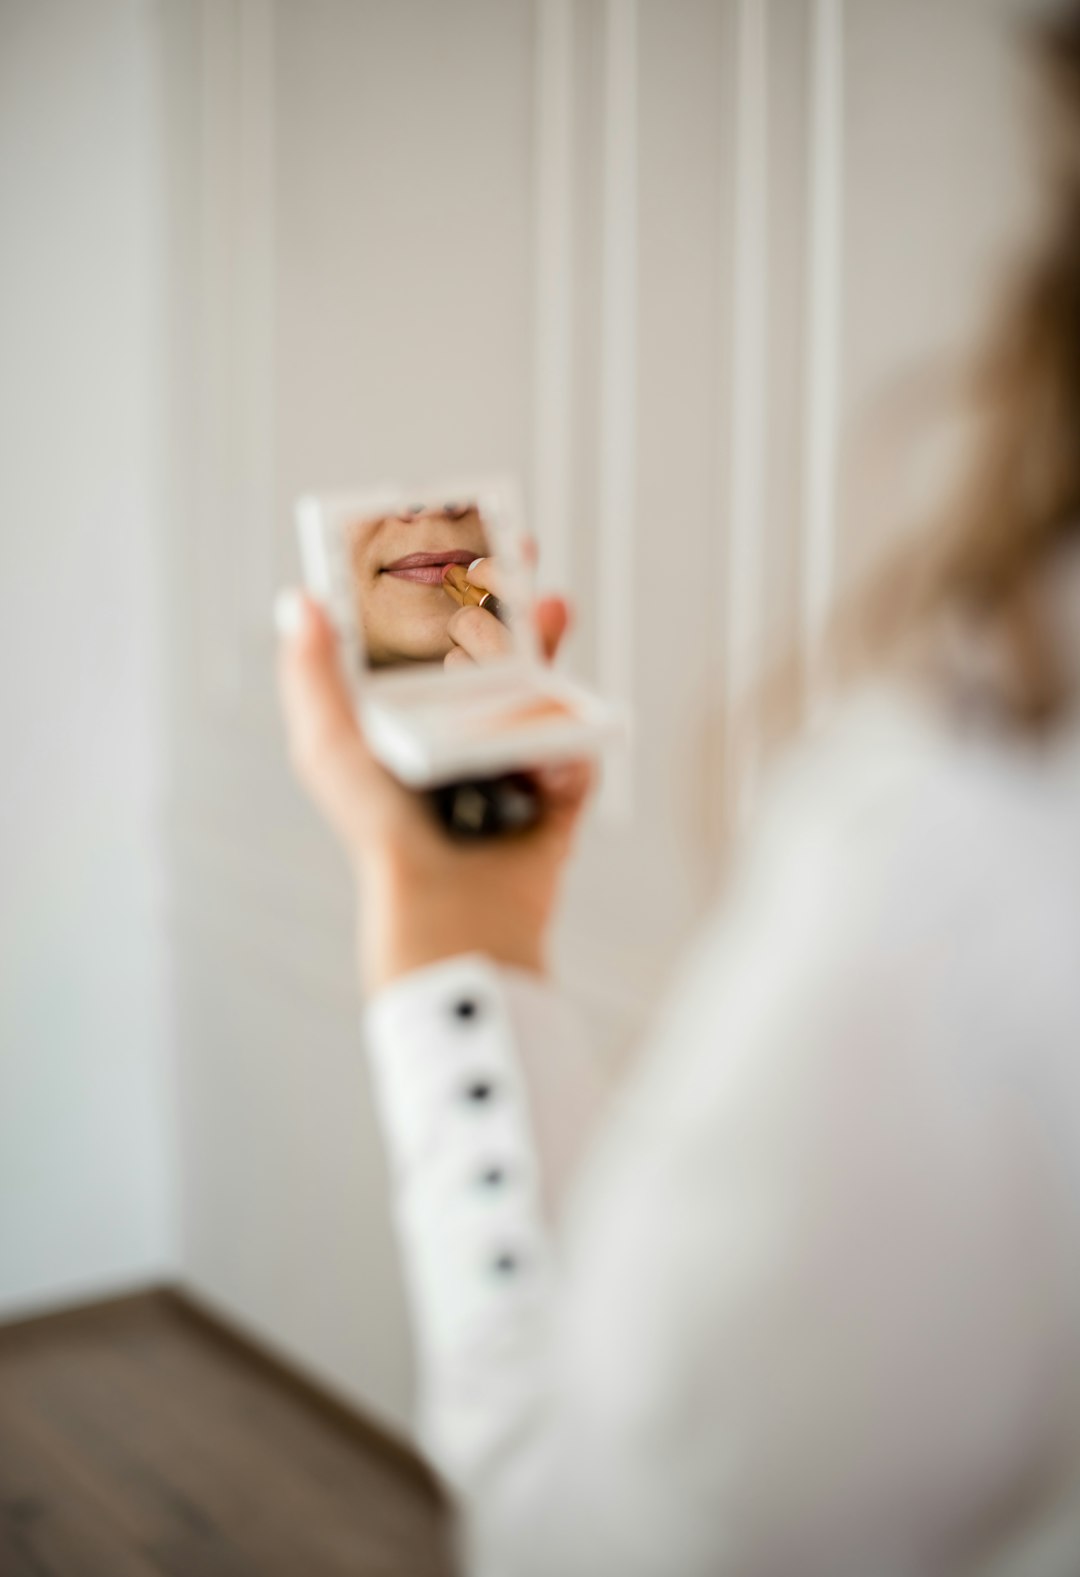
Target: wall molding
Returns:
[746, 515]
[616, 559]
[553, 335]
[212, 634]
[825, 179]
[234, 495]
[256, 329]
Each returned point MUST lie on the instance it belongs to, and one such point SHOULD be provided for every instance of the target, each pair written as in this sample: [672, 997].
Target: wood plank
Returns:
[52, 1523]
[135, 1433]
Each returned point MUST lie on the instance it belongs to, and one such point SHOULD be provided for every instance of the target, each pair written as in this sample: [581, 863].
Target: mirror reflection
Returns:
[428, 586]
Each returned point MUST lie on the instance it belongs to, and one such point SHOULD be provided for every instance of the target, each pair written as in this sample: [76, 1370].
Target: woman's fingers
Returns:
[479, 634]
[489, 575]
[325, 744]
[566, 786]
[552, 616]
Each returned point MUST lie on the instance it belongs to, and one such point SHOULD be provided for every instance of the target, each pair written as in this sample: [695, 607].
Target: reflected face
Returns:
[398, 563]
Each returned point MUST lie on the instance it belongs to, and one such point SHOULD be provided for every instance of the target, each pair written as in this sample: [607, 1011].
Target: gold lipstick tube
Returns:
[456, 584]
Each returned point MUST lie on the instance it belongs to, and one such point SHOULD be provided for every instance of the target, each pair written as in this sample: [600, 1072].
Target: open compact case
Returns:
[430, 594]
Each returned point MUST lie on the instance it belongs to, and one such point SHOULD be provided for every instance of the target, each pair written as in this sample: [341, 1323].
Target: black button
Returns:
[505, 1263]
[480, 1090]
[466, 1008]
[494, 1177]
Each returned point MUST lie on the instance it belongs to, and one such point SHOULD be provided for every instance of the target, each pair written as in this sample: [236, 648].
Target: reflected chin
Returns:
[414, 635]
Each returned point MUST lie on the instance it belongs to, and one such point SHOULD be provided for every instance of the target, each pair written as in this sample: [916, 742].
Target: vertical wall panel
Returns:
[823, 339]
[656, 255]
[616, 513]
[746, 516]
[553, 351]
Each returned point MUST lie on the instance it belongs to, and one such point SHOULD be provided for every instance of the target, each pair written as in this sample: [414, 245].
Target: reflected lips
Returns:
[427, 568]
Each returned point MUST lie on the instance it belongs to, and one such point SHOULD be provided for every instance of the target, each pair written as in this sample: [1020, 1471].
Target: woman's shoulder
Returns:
[906, 894]
[894, 767]
[882, 751]
[896, 820]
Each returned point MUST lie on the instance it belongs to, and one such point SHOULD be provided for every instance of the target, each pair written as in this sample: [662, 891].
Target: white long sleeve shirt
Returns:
[810, 1305]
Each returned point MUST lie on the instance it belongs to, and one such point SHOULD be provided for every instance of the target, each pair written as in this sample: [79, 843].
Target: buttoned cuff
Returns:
[455, 1114]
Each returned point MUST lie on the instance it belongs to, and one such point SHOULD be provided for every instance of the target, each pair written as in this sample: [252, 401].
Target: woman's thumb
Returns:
[325, 744]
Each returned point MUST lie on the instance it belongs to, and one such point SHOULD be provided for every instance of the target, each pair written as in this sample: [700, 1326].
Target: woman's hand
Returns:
[423, 897]
[478, 636]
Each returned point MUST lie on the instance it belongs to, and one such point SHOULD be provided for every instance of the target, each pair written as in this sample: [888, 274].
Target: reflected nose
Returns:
[453, 510]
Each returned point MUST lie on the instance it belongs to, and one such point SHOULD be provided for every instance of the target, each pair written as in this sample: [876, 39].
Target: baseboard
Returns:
[81, 1311]
[178, 1303]
[82, 1292]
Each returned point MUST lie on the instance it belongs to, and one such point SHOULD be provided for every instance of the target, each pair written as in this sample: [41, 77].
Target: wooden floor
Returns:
[136, 1442]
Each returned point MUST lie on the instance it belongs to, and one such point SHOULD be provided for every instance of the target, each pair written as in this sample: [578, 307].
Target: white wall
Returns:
[359, 304]
[84, 1167]
[574, 237]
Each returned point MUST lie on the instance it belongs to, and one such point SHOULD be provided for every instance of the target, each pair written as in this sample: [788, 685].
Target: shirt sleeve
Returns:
[798, 1314]
[487, 1091]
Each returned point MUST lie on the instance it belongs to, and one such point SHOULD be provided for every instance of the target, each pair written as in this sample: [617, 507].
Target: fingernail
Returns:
[288, 611]
[558, 778]
[474, 563]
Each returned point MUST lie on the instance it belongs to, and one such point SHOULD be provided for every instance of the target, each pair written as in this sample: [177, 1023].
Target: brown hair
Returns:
[1019, 494]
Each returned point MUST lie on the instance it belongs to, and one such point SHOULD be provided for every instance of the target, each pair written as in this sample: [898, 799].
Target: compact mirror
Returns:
[415, 567]
[430, 594]
[432, 579]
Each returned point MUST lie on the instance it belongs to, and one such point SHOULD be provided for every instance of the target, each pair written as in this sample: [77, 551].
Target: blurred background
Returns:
[666, 259]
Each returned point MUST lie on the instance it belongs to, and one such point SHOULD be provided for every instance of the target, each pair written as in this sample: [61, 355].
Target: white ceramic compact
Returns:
[430, 593]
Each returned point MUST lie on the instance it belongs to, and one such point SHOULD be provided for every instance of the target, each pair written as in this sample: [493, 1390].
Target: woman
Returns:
[814, 1307]
[399, 565]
